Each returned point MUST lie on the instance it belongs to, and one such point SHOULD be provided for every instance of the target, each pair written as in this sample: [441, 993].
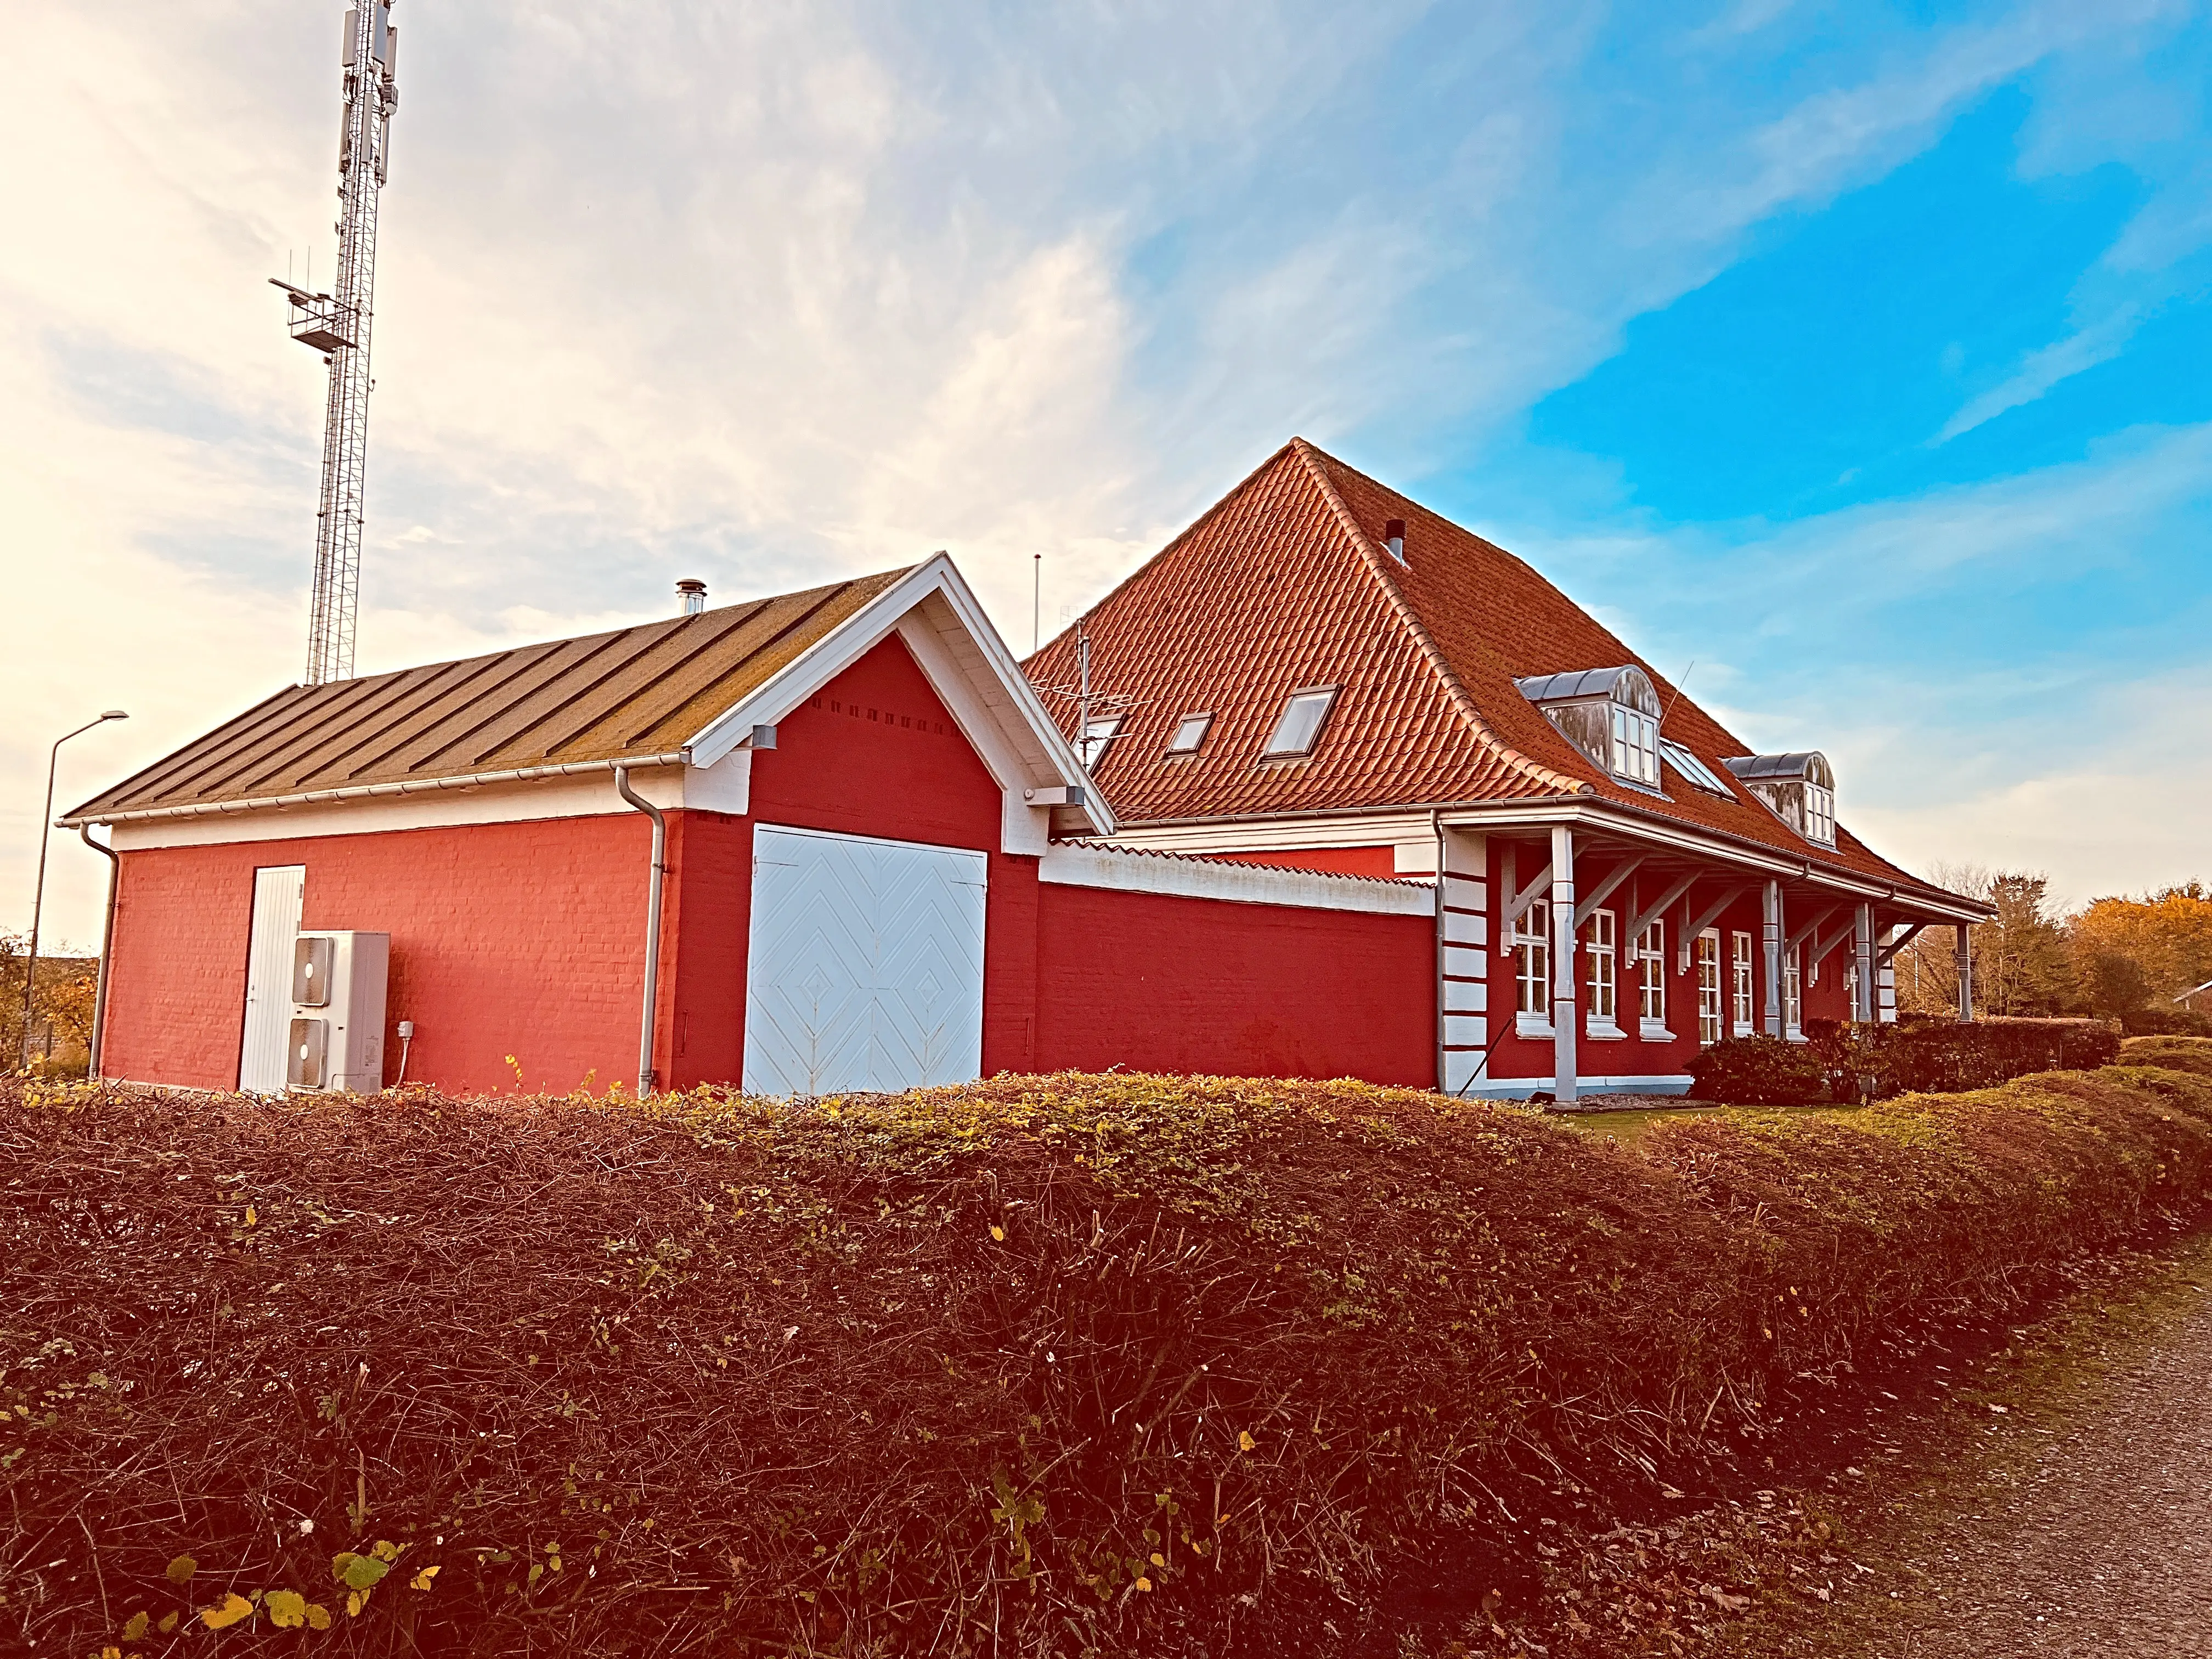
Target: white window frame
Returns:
[1708, 949]
[1819, 813]
[1793, 993]
[1684, 760]
[1600, 944]
[1635, 745]
[1308, 696]
[1744, 1011]
[1651, 984]
[1204, 722]
[1532, 969]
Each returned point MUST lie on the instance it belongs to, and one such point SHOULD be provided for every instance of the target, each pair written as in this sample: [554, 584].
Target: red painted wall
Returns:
[875, 753]
[521, 938]
[1161, 983]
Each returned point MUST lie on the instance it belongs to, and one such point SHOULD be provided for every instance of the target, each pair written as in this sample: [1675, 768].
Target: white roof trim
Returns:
[1135, 871]
[1053, 759]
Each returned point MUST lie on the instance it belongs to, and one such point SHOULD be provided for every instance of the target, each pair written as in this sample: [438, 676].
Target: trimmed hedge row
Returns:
[2179, 1053]
[1044, 1366]
[1838, 1062]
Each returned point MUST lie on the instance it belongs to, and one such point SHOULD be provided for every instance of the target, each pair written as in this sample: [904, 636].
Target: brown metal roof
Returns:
[1284, 584]
[632, 692]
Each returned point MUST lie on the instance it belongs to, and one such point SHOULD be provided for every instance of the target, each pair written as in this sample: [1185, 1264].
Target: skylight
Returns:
[1299, 728]
[1693, 770]
[1190, 732]
[1097, 734]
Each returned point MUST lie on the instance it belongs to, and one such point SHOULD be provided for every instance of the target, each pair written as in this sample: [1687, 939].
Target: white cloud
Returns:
[2098, 342]
[774, 293]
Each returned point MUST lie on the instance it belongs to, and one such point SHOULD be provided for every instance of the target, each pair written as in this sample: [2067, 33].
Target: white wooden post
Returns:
[1563, 965]
[1770, 937]
[1862, 944]
[1965, 974]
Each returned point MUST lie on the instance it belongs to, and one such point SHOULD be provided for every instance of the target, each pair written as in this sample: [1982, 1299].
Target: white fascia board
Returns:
[1595, 815]
[1520, 1088]
[1264, 835]
[1129, 871]
[1000, 687]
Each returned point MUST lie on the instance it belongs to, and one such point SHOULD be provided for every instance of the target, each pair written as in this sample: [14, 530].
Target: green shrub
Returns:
[1758, 1071]
[1942, 1055]
[1134, 1365]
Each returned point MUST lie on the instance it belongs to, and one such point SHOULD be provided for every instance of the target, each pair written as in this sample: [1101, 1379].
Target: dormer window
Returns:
[1190, 732]
[1799, 789]
[1299, 726]
[1611, 714]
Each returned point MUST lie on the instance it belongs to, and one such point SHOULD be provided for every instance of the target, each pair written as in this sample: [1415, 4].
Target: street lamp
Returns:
[39, 897]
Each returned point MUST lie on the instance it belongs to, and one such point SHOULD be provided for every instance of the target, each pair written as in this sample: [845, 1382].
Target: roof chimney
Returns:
[692, 593]
[1393, 538]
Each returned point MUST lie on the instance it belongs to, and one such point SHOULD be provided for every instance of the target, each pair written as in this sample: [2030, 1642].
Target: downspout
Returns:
[107, 953]
[645, 1079]
[1436, 827]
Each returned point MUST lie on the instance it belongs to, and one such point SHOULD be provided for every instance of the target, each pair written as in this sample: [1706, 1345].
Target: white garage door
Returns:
[865, 969]
[279, 890]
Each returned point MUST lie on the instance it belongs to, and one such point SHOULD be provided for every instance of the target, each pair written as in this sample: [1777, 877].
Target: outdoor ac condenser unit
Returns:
[337, 1011]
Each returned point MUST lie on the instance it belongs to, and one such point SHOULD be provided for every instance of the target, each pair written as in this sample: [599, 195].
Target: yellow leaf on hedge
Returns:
[1244, 1440]
[234, 1607]
[354, 1599]
[318, 1616]
[287, 1609]
[422, 1580]
[999, 1233]
[181, 1570]
[385, 1550]
[168, 1623]
[1144, 1583]
[135, 1627]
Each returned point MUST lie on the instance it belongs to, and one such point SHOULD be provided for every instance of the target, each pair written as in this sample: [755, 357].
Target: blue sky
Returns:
[1857, 353]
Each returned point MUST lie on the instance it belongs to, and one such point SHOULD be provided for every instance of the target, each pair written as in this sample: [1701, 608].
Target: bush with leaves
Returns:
[1123, 1365]
[1758, 1071]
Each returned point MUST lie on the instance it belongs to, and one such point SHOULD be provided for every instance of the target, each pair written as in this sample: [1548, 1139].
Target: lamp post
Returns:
[39, 895]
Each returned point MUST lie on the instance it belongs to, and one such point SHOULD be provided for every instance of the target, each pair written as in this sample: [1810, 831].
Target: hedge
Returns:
[2179, 1053]
[1838, 1061]
[1044, 1366]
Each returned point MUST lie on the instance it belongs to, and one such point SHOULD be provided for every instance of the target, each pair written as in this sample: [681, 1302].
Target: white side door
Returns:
[866, 965]
[278, 891]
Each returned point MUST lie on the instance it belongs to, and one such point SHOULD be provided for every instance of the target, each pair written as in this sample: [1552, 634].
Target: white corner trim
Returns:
[1237, 884]
[1263, 835]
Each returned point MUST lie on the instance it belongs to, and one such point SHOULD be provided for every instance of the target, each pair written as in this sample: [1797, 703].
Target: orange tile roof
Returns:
[609, 697]
[1284, 584]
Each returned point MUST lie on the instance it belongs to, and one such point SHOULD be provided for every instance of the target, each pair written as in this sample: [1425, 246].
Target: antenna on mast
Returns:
[338, 325]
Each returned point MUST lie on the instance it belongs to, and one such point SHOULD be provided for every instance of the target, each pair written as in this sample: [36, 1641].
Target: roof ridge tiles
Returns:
[1432, 654]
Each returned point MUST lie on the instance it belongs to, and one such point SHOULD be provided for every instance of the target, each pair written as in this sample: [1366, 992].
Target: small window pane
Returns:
[1190, 732]
[1300, 725]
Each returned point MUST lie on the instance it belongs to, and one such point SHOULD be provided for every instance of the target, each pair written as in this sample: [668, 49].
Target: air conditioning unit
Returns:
[337, 1011]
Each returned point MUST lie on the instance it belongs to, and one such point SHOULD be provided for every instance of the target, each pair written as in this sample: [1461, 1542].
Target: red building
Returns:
[1366, 797]
[1320, 672]
[839, 809]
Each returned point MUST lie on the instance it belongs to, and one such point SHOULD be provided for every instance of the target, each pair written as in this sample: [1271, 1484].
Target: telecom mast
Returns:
[338, 325]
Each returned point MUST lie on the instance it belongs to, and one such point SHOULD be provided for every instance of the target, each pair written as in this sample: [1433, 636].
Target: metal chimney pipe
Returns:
[691, 594]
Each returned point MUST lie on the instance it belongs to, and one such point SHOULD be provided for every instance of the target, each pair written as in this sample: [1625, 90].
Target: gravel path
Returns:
[2098, 1542]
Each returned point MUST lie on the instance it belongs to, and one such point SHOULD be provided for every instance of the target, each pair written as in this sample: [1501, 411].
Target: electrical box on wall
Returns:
[337, 1011]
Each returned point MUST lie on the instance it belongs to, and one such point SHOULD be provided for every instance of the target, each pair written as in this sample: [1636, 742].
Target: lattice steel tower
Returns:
[338, 325]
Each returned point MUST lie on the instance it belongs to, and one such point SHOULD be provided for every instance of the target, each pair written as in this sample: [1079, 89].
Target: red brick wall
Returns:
[1161, 983]
[520, 939]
